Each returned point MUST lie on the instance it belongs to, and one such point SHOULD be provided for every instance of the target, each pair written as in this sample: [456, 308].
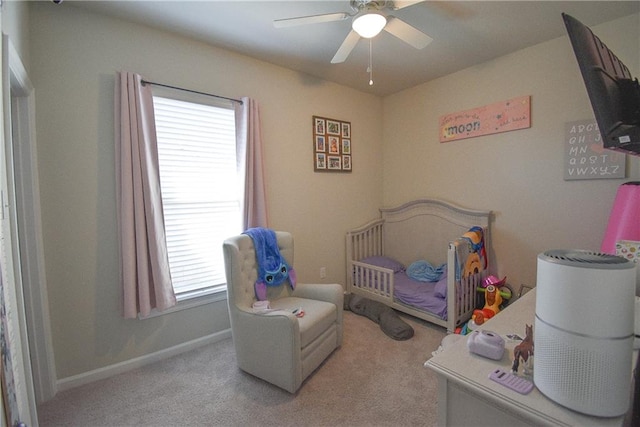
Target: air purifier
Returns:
[583, 332]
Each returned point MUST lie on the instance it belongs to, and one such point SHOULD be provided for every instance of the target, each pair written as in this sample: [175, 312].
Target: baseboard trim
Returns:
[138, 362]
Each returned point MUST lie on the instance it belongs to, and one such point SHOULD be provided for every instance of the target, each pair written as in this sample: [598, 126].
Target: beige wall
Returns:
[74, 58]
[15, 19]
[518, 175]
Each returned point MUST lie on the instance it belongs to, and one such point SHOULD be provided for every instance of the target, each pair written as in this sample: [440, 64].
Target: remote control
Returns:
[514, 382]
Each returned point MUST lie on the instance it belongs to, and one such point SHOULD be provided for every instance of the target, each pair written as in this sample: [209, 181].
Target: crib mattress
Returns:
[419, 295]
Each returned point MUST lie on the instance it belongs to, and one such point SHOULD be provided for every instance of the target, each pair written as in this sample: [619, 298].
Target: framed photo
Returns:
[346, 162]
[346, 146]
[334, 145]
[346, 130]
[333, 127]
[331, 145]
[335, 163]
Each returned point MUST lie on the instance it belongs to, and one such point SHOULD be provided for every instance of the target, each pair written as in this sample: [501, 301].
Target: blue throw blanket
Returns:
[273, 269]
[425, 272]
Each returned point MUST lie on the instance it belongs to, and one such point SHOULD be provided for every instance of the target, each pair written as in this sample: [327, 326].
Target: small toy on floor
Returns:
[467, 328]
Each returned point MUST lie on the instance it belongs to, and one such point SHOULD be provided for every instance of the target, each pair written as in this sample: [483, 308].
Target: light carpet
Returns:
[371, 380]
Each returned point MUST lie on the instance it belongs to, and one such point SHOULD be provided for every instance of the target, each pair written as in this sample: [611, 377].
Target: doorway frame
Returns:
[19, 97]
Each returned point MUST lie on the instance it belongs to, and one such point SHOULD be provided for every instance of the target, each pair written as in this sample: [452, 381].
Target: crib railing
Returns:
[466, 297]
[363, 242]
[461, 308]
[377, 281]
[366, 241]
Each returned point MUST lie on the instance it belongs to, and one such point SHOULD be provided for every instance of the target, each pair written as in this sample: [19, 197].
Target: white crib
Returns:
[425, 229]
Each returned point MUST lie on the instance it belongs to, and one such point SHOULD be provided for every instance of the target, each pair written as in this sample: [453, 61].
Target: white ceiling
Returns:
[465, 33]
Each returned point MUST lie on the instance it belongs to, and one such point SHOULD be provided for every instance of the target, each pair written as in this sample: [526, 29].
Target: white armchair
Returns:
[275, 345]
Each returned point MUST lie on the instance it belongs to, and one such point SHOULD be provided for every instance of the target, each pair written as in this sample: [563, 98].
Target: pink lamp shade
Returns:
[624, 221]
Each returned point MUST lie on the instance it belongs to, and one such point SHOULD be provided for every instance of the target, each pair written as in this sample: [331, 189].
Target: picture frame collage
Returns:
[331, 145]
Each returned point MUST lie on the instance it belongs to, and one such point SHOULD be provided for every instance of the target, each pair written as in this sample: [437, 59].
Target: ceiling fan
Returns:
[370, 17]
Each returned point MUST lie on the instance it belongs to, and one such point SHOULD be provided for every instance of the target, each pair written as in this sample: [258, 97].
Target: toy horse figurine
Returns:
[524, 350]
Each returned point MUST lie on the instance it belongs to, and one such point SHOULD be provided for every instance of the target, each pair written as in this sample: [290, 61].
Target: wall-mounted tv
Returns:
[613, 92]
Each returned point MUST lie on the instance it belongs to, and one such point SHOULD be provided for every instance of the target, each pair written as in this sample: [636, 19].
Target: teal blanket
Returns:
[423, 271]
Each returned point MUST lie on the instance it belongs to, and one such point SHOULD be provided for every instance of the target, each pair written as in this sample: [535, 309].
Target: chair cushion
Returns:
[318, 316]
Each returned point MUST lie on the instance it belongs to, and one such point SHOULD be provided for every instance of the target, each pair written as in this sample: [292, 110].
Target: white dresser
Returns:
[466, 395]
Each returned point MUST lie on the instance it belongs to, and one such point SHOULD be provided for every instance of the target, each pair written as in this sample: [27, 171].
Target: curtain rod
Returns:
[147, 82]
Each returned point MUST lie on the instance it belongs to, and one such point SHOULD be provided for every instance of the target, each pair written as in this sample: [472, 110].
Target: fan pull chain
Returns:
[370, 68]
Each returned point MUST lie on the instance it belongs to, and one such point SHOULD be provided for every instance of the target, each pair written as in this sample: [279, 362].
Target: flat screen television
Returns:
[613, 92]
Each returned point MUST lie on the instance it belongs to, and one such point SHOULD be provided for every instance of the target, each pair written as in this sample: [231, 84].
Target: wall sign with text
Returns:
[331, 145]
[585, 156]
[504, 116]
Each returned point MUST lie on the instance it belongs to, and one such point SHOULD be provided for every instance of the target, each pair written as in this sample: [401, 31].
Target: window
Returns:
[197, 157]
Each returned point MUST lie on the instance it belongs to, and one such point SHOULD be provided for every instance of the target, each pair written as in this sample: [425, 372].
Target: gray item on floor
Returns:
[390, 323]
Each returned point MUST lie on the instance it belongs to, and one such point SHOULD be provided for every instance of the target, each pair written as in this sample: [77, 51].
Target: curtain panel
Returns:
[250, 164]
[145, 275]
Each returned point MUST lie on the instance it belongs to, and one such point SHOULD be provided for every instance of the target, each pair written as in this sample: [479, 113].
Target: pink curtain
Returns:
[145, 276]
[250, 164]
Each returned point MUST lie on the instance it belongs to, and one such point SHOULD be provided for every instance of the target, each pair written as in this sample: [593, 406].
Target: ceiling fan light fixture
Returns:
[368, 24]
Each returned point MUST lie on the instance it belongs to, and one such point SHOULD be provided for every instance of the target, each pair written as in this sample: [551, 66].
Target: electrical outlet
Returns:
[323, 272]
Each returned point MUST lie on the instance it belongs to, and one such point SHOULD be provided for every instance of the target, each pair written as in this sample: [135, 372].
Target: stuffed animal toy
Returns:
[477, 259]
[492, 299]
[273, 269]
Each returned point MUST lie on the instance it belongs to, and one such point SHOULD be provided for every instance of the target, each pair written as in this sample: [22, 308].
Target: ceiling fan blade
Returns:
[405, 3]
[346, 47]
[407, 33]
[313, 19]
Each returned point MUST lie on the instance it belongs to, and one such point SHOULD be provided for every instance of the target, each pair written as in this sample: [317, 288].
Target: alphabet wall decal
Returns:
[585, 156]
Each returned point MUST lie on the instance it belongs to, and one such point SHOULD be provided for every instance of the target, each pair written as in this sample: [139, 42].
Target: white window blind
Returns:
[197, 156]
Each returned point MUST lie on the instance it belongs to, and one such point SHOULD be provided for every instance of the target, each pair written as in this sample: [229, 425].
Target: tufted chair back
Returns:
[243, 291]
